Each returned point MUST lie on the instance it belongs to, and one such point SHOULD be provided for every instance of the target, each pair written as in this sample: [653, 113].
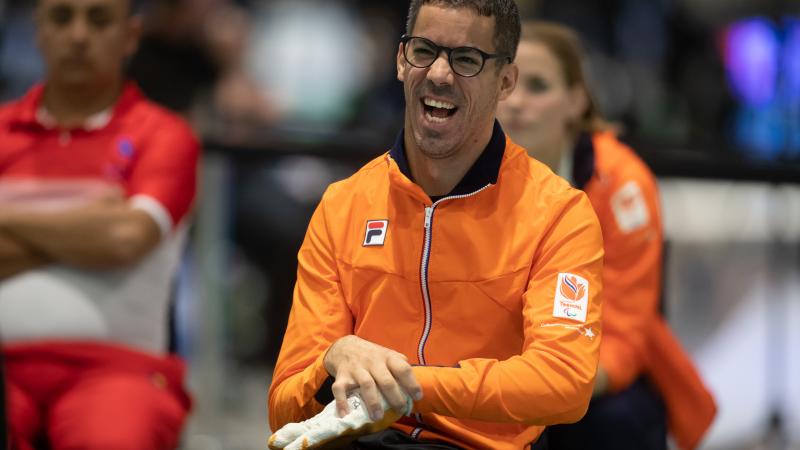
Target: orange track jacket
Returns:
[624, 195]
[636, 339]
[494, 295]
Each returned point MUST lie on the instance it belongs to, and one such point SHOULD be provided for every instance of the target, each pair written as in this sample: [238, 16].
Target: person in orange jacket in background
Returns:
[453, 269]
[645, 380]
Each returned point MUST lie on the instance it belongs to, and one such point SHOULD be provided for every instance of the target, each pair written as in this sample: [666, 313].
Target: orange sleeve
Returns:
[319, 316]
[632, 275]
[551, 380]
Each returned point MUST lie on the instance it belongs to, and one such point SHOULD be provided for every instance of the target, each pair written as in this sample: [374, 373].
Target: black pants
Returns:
[396, 440]
[633, 419]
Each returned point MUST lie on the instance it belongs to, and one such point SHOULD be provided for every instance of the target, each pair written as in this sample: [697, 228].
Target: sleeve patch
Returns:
[571, 298]
[630, 209]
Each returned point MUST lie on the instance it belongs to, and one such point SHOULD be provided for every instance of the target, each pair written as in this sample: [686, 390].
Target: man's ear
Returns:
[508, 80]
[401, 63]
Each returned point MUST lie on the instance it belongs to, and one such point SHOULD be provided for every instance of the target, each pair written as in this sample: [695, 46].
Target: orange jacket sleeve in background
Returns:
[625, 197]
[690, 405]
[637, 340]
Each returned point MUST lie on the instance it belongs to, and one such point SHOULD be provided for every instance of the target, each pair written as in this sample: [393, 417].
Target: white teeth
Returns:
[435, 119]
[437, 104]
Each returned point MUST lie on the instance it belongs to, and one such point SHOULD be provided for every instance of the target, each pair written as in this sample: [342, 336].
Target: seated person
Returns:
[95, 186]
[453, 270]
[642, 366]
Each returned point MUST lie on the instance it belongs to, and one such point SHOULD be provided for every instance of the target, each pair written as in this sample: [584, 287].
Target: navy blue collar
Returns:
[583, 161]
[483, 172]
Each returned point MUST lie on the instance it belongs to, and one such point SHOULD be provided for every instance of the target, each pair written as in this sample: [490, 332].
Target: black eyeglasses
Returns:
[465, 61]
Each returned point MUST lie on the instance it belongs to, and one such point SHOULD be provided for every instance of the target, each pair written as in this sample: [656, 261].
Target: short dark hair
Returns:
[505, 13]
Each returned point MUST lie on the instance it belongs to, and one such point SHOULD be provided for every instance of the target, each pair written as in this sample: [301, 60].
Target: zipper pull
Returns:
[428, 215]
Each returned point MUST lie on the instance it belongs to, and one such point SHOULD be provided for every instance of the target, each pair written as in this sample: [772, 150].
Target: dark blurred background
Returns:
[289, 96]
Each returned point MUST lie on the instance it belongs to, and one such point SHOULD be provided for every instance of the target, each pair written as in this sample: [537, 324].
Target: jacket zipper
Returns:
[423, 277]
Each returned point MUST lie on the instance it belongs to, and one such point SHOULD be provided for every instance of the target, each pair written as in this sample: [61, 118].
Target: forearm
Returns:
[319, 317]
[16, 258]
[537, 388]
[293, 399]
[97, 236]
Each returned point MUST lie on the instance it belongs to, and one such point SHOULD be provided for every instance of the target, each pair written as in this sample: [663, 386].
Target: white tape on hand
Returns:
[326, 427]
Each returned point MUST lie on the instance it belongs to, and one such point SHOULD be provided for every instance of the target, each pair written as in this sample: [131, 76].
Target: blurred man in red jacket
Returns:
[95, 187]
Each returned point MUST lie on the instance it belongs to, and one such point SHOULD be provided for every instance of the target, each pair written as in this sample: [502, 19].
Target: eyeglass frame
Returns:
[449, 50]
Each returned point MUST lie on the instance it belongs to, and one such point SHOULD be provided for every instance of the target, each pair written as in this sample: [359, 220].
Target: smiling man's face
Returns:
[445, 112]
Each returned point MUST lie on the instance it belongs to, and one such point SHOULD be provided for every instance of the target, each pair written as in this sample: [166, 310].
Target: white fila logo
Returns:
[375, 234]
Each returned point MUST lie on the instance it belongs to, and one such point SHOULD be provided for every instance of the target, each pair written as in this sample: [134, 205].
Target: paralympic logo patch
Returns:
[572, 297]
[375, 233]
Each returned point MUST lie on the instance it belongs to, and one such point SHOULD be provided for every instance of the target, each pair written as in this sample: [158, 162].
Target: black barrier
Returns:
[719, 166]
[362, 146]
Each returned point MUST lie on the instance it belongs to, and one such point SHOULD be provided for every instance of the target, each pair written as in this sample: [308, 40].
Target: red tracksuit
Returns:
[116, 391]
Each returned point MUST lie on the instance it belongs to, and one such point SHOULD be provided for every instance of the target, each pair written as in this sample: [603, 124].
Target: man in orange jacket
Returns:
[454, 269]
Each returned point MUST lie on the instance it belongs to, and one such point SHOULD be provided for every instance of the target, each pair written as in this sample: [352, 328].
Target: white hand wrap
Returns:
[326, 426]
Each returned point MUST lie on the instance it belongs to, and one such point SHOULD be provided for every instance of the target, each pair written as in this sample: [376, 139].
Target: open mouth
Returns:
[438, 111]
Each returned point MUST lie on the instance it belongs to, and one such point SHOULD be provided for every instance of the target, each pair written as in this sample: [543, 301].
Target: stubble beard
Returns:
[433, 145]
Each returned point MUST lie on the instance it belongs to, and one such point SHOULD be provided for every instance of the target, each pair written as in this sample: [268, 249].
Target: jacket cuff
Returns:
[427, 381]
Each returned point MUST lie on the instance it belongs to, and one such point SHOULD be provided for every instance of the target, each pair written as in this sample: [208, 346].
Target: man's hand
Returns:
[376, 371]
[327, 428]
[16, 258]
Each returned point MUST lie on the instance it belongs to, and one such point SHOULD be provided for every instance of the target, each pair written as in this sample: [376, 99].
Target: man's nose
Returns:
[440, 71]
[78, 30]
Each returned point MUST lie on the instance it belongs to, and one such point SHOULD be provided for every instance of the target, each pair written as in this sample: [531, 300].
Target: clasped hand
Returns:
[373, 387]
[374, 370]
[330, 430]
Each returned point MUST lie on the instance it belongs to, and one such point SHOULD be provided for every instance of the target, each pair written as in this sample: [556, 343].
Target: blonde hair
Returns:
[566, 46]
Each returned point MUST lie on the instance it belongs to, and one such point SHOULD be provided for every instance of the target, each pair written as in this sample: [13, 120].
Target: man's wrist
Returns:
[328, 361]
